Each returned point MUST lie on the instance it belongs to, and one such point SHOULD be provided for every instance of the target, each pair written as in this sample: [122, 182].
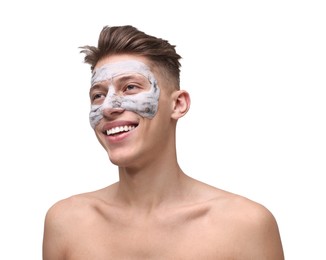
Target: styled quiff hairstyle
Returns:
[129, 40]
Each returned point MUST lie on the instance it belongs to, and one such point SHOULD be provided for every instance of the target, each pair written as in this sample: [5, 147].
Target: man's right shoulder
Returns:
[68, 209]
[63, 220]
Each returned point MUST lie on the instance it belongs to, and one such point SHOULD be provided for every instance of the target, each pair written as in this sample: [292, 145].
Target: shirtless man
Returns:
[155, 211]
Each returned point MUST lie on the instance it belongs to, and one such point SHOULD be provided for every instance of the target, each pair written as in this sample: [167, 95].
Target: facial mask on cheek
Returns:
[143, 103]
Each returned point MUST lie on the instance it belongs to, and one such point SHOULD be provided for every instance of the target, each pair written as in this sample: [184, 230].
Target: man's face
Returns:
[127, 85]
[128, 108]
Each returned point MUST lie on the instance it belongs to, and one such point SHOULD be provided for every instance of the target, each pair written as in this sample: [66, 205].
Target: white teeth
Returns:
[119, 129]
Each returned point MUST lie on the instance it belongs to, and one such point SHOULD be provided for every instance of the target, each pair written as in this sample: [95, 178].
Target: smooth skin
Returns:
[156, 211]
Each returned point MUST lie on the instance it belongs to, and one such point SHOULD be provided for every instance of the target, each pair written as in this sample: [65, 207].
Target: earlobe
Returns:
[181, 104]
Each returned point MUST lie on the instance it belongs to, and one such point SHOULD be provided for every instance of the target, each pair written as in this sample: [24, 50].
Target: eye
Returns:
[131, 89]
[98, 96]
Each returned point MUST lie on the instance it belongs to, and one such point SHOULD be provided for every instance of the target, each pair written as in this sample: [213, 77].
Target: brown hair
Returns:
[129, 40]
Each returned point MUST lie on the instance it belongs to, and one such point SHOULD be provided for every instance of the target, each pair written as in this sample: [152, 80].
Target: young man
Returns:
[155, 211]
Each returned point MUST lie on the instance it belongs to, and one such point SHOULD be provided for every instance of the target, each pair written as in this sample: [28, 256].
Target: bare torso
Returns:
[219, 225]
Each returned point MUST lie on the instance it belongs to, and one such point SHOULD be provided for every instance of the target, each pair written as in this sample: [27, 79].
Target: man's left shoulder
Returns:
[250, 225]
[254, 214]
[243, 210]
[234, 209]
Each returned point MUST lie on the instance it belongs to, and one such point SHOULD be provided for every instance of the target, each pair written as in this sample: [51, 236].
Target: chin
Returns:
[123, 160]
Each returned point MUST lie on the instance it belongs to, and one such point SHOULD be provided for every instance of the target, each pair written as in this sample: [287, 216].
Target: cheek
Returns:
[145, 104]
[165, 106]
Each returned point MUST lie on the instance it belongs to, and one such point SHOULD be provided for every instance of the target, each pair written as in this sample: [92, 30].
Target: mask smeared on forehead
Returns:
[144, 103]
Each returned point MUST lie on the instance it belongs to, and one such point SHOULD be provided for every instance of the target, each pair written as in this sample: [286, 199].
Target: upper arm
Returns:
[54, 235]
[264, 241]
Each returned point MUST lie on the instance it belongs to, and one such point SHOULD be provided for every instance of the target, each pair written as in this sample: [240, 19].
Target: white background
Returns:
[256, 74]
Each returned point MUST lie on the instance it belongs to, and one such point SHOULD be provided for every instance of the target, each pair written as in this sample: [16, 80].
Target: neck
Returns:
[151, 186]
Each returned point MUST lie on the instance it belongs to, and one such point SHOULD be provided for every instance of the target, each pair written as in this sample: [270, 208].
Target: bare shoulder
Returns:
[222, 201]
[240, 208]
[75, 208]
[68, 208]
[233, 206]
[250, 225]
[59, 223]
[66, 220]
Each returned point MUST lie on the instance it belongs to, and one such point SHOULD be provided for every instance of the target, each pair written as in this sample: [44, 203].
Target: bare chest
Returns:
[187, 239]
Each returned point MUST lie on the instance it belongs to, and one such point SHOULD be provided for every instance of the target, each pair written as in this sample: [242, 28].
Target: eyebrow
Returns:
[126, 76]
[134, 76]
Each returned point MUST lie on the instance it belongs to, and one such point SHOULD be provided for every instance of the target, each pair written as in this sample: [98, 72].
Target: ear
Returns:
[181, 104]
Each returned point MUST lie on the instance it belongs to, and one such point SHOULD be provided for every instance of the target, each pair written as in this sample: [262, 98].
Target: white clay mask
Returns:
[126, 85]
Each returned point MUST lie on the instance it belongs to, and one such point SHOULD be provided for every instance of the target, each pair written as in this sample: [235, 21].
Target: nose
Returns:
[112, 112]
[112, 104]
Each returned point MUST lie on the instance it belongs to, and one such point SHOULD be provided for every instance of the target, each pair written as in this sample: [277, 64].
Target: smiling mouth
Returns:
[120, 129]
